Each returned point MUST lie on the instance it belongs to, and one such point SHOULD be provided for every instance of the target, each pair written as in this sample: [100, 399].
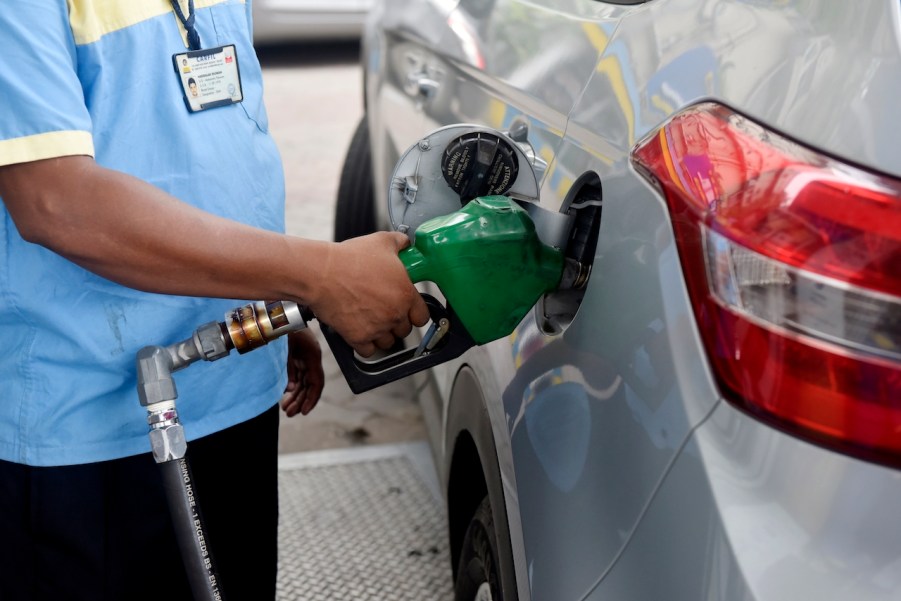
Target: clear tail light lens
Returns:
[793, 265]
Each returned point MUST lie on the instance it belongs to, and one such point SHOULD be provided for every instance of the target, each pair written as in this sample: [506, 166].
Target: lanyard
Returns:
[193, 36]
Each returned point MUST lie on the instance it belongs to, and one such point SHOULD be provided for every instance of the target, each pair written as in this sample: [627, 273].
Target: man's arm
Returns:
[133, 233]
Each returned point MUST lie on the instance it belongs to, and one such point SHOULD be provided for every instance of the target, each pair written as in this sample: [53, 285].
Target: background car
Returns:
[277, 21]
[717, 414]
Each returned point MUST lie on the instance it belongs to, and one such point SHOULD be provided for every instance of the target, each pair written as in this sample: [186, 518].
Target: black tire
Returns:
[355, 206]
[477, 571]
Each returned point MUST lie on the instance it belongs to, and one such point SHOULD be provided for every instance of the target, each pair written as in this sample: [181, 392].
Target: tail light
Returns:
[793, 266]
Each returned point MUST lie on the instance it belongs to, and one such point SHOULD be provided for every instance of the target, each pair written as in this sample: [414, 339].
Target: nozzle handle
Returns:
[415, 263]
[364, 374]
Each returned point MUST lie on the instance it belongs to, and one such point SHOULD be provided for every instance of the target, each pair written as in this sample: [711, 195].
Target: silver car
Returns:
[717, 414]
[277, 21]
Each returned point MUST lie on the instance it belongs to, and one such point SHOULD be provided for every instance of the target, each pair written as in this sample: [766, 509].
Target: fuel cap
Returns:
[479, 164]
[451, 166]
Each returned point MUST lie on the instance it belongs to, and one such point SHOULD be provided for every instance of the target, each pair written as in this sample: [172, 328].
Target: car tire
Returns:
[355, 206]
[477, 571]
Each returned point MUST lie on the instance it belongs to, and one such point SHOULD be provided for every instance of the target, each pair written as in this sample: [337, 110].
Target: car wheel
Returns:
[477, 571]
[355, 207]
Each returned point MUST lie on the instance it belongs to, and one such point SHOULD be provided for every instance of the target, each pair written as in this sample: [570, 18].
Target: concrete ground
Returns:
[314, 99]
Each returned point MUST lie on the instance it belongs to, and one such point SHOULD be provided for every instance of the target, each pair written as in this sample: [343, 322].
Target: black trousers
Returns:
[102, 531]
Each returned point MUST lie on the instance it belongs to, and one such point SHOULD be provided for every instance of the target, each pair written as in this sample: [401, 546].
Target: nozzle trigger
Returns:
[433, 336]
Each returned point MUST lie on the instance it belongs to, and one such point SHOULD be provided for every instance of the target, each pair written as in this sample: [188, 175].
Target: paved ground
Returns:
[314, 99]
[362, 524]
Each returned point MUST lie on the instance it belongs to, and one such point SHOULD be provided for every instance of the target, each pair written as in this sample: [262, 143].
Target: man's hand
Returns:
[305, 375]
[366, 295]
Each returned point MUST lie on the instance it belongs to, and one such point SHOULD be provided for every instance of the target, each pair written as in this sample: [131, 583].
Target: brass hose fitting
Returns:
[254, 325]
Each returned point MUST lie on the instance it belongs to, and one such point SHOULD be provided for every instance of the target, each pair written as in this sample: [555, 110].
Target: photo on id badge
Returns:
[209, 78]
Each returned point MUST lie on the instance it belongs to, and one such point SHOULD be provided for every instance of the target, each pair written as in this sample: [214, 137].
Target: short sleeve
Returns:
[42, 108]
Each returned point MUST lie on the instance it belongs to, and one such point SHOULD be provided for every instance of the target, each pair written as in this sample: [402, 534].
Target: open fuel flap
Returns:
[455, 164]
[449, 167]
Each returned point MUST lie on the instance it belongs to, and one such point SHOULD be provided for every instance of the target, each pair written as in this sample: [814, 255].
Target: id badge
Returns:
[209, 78]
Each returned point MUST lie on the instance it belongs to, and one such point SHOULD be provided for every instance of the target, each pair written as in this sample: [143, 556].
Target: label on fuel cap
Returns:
[479, 164]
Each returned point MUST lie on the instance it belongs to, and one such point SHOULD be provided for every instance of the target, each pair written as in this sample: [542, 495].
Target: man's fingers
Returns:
[402, 331]
[401, 241]
[419, 313]
[289, 404]
[385, 342]
[364, 349]
[312, 398]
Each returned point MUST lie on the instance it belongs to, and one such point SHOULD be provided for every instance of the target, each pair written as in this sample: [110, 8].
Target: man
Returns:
[126, 212]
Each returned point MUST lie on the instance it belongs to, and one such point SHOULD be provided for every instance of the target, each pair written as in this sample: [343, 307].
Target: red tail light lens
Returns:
[793, 264]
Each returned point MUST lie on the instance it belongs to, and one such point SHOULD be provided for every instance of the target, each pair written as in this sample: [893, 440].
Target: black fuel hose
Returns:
[189, 531]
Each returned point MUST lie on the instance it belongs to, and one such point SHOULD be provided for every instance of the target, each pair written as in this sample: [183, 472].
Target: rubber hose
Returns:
[189, 531]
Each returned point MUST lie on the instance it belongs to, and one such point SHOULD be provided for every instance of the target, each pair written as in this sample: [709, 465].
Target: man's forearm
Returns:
[133, 233]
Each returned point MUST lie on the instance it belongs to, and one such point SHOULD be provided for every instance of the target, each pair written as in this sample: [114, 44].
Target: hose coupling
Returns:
[167, 435]
[254, 325]
[210, 341]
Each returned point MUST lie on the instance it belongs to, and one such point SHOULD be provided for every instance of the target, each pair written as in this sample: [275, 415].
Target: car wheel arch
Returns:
[473, 471]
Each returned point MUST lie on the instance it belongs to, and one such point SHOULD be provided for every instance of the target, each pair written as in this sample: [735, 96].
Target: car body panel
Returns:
[763, 515]
[611, 466]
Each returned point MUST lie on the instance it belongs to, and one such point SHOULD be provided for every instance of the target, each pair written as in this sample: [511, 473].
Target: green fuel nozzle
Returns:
[488, 262]
[491, 267]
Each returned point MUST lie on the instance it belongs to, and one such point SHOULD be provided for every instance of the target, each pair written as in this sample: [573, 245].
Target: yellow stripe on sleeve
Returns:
[46, 146]
[92, 19]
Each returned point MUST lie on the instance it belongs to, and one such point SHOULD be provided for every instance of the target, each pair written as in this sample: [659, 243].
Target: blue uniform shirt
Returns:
[96, 77]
